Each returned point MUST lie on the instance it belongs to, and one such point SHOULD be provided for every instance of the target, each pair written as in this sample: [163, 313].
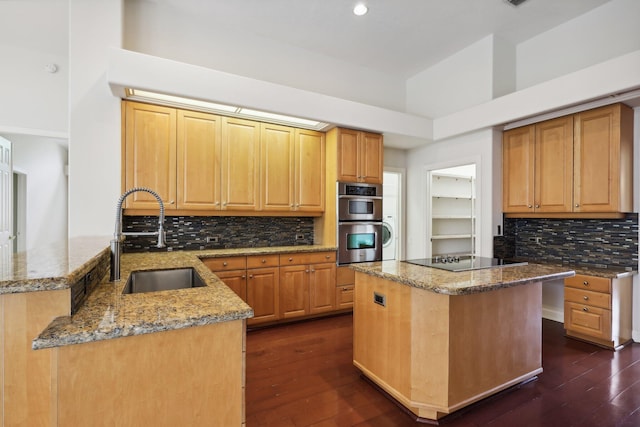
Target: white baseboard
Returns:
[552, 313]
[635, 336]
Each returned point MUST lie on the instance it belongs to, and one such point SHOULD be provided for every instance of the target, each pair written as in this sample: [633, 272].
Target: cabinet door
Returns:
[518, 151]
[309, 171]
[348, 155]
[371, 158]
[198, 173]
[150, 154]
[603, 176]
[236, 280]
[262, 294]
[294, 291]
[240, 165]
[322, 288]
[554, 165]
[587, 320]
[277, 151]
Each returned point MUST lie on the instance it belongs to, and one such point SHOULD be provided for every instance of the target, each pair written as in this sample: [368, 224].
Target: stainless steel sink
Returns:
[162, 280]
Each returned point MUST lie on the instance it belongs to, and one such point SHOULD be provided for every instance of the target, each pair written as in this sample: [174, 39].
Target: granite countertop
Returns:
[611, 272]
[465, 282]
[107, 313]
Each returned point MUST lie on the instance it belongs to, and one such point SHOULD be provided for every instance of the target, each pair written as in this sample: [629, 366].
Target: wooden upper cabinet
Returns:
[240, 165]
[603, 153]
[310, 164]
[278, 169]
[553, 185]
[198, 174]
[581, 163]
[150, 154]
[360, 156]
[518, 152]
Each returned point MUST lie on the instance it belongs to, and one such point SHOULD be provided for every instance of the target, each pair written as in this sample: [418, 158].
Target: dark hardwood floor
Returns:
[302, 375]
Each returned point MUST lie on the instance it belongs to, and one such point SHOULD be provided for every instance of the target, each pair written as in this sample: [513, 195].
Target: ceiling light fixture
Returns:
[228, 110]
[516, 2]
[360, 9]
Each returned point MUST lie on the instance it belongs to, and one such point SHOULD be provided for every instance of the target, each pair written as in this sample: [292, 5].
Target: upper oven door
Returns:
[357, 208]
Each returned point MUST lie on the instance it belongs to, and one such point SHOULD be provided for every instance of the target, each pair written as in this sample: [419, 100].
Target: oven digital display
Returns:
[360, 207]
[361, 241]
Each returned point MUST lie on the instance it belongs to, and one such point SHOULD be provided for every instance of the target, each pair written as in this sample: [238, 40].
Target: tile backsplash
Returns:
[594, 242]
[191, 232]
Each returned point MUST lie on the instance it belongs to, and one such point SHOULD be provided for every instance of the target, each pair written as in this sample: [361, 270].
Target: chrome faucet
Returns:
[118, 235]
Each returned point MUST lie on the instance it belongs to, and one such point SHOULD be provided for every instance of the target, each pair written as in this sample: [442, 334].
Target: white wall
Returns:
[94, 118]
[43, 161]
[478, 148]
[394, 158]
[606, 32]
[33, 100]
[164, 31]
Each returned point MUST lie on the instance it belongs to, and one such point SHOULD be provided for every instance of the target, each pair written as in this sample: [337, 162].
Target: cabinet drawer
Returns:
[587, 320]
[345, 276]
[581, 296]
[258, 261]
[592, 283]
[307, 258]
[344, 296]
[226, 263]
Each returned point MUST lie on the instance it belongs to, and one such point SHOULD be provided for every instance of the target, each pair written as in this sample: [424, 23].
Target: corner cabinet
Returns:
[598, 309]
[578, 164]
[359, 156]
[452, 215]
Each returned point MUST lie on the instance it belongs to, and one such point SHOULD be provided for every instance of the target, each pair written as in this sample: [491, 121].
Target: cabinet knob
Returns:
[216, 204]
[537, 206]
[224, 263]
[224, 203]
[264, 260]
[345, 289]
[327, 256]
[290, 259]
[171, 202]
[577, 205]
[529, 206]
[244, 277]
[585, 283]
[307, 270]
[313, 271]
[251, 276]
[585, 308]
[586, 298]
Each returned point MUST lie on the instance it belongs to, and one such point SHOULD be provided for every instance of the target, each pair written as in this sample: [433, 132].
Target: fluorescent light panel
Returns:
[178, 101]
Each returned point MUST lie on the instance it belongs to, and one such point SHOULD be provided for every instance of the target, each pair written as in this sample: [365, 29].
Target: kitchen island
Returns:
[437, 341]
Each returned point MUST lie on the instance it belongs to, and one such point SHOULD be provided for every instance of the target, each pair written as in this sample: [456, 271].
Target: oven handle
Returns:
[349, 196]
[360, 223]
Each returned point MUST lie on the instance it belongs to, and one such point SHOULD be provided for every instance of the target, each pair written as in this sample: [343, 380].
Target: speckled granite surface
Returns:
[53, 266]
[462, 283]
[107, 313]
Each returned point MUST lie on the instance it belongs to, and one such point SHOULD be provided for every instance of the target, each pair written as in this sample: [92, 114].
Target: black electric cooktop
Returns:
[463, 263]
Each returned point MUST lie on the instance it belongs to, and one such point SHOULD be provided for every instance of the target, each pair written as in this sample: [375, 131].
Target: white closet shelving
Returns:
[453, 219]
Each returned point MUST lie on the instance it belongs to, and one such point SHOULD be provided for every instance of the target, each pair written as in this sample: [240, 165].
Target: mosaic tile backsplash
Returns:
[191, 232]
[594, 242]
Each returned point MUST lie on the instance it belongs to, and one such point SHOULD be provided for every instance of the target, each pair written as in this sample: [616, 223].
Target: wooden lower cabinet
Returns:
[192, 377]
[25, 374]
[345, 284]
[286, 286]
[263, 288]
[598, 309]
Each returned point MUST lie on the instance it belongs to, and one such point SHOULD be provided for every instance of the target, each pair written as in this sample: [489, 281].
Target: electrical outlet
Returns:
[213, 239]
[299, 236]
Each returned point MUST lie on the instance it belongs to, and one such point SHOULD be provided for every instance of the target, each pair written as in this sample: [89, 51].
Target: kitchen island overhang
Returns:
[438, 341]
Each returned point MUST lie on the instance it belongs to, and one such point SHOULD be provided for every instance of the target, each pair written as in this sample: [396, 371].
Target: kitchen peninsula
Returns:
[437, 341]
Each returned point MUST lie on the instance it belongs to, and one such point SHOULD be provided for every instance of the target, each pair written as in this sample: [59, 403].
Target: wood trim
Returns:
[569, 215]
[185, 212]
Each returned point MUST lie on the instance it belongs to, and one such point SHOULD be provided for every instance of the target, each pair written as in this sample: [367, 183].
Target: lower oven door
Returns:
[359, 242]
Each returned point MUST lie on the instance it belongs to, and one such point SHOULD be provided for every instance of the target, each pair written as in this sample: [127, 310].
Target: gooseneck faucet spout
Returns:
[118, 235]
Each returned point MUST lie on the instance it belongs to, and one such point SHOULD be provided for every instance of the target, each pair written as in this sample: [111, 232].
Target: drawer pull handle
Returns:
[224, 264]
[585, 283]
[585, 309]
[290, 259]
[345, 289]
[586, 298]
[264, 260]
[327, 256]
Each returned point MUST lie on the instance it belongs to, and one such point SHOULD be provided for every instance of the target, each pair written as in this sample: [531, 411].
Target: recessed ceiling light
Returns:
[360, 9]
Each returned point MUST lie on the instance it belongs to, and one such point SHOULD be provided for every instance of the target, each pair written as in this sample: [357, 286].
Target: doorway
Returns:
[452, 213]
[392, 213]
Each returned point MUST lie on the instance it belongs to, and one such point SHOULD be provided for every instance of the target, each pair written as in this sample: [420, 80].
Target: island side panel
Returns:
[495, 342]
[192, 376]
[382, 334]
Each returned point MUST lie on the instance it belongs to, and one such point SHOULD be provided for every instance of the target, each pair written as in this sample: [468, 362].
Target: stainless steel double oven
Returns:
[359, 213]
